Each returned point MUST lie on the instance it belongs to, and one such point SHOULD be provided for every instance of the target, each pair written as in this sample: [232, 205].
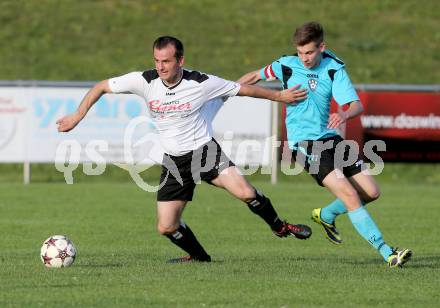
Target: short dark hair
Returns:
[164, 41]
[309, 32]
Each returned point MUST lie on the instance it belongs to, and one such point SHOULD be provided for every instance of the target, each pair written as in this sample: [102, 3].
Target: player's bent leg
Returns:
[236, 184]
[359, 216]
[169, 214]
[367, 189]
[346, 198]
[170, 224]
[339, 185]
[366, 186]
[325, 217]
[359, 178]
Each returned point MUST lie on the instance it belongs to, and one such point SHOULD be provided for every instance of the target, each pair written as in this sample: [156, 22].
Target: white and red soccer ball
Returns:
[58, 251]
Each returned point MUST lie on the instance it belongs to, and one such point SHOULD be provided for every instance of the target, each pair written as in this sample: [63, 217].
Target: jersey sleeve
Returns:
[271, 71]
[217, 87]
[342, 89]
[129, 83]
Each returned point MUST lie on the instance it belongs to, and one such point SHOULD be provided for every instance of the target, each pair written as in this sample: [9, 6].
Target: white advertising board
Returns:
[14, 111]
[28, 130]
[243, 128]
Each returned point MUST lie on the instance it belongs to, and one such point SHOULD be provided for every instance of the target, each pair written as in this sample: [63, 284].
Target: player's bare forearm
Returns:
[336, 119]
[291, 95]
[258, 92]
[353, 110]
[250, 78]
[68, 122]
[92, 97]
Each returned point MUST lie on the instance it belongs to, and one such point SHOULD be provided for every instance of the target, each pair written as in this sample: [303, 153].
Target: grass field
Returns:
[121, 258]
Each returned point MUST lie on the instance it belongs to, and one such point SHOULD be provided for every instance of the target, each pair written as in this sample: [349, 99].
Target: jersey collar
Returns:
[174, 85]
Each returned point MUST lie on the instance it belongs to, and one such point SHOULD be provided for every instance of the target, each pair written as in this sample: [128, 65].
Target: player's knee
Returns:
[246, 194]
[351, 196]
[372, 195]
[165, 229]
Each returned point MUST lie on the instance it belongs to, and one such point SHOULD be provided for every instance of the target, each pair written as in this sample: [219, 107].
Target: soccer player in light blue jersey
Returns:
[314, 141]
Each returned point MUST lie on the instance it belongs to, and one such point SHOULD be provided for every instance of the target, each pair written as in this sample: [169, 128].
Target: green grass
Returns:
[121, 258]
[389, 41]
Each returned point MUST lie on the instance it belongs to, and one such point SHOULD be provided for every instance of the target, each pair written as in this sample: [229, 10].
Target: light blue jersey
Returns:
[308, 119]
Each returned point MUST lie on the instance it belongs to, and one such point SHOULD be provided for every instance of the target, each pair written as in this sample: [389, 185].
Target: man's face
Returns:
[310, 54]
[167, 66]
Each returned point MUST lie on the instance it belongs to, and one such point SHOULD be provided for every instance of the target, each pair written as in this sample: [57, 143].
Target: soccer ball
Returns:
[57, 251]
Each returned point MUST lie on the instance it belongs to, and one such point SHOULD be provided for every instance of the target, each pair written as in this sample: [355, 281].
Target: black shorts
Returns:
[320, 157]
[181, 173]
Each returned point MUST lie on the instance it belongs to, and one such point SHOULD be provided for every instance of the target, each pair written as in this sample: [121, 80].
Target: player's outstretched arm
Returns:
[250, 78]
[291, 95]
[336, 119]
[69, 122]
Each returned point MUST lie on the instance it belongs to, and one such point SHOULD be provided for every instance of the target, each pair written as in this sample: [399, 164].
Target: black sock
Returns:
[185, 239]
[263, 208]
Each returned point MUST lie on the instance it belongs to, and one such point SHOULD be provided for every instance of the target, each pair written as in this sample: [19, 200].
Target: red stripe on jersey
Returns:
[265, 72]
[271, 71]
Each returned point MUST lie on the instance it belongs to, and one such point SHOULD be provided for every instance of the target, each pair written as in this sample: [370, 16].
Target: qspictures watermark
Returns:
[346, 153]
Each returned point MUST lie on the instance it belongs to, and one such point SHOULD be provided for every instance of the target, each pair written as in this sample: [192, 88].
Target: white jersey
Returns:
[181, 113]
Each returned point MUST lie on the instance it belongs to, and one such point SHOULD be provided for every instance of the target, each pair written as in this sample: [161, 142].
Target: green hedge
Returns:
[381, 41]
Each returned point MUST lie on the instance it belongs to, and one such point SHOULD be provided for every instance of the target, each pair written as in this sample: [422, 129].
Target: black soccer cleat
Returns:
[301, 232]
[190, 259]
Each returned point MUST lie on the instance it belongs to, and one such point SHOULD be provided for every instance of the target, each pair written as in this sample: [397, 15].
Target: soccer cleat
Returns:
[299, 231]
[399, 257]
[189, 259]
[331, 232]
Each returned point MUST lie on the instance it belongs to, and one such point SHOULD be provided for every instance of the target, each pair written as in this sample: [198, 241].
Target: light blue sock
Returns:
[329, 213]
[366, 227]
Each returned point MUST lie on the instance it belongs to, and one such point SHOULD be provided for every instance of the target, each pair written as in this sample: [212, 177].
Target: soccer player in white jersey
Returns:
[312, 135]
[177, 101]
